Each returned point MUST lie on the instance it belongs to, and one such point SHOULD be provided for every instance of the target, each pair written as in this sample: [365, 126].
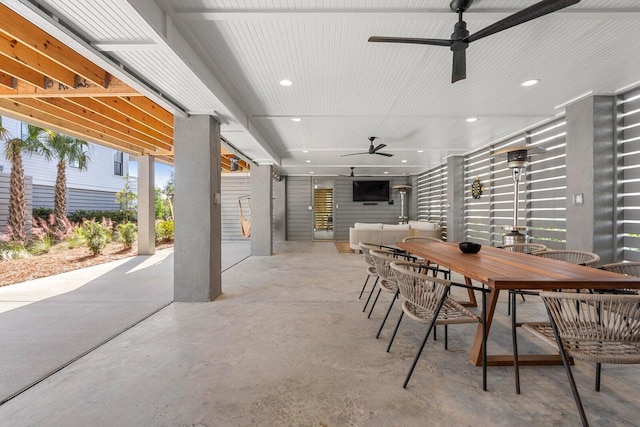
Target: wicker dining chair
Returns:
[626, 268]
[588, 259]
[435, 268]
[601, 328]
[426, 301]
[543, 329]
[386, 283]
[366, 248]
[525, 248]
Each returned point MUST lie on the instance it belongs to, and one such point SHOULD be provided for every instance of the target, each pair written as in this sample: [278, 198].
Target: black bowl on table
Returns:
[469, 247]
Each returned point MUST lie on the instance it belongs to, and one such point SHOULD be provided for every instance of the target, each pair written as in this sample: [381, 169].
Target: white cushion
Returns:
[396, 226]
[424, 225]
[367, 226]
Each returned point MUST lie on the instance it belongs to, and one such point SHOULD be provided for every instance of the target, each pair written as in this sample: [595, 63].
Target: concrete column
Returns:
[591, 170]
[146, 206]
[197, 250]
[455, 198]
[261, 210]
[280, 209]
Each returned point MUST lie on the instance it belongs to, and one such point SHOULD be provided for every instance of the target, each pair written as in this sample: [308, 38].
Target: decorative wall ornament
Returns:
[477, 188]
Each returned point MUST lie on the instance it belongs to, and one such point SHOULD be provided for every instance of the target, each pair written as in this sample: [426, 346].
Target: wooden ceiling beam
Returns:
[48, 109]
[82, 113]
[7, 81]
[58, 124]
[151, 108]
[99, 108]
[17, 27]
[134, 114]
[81, 88]
[21, 72]
[16, 51]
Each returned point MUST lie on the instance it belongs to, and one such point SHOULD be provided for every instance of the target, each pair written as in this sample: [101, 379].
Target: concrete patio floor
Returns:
[288, 344]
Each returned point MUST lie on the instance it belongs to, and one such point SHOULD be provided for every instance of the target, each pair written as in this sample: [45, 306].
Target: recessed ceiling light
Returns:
[305, 151]
[472, 119]
[286, 82]
[308, 161]
[404, 161]
[296, 119]
[420, 151]
[530, 82]
[386, 173]
[311, 172]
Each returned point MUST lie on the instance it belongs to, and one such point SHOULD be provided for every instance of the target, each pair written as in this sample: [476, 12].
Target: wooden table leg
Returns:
[476, 349]
[472, 296]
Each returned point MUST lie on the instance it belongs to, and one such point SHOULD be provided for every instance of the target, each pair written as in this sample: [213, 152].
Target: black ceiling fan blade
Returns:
[532, 12]
[385, 154]
[354, 154]
[459, 66]
[410, 40]
[379, 147]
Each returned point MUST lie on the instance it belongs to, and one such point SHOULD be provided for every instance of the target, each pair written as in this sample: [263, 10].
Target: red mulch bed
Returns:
[61, 259]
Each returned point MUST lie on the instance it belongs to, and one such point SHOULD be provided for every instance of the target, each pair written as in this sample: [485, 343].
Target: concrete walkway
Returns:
[288, 345]
[47, 323]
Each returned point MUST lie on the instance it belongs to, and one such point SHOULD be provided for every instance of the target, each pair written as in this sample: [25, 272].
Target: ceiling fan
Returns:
[460, 38]
[372, 150]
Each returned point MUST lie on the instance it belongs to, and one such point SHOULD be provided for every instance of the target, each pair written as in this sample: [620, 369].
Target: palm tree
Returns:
[13, 153]
[67, 150]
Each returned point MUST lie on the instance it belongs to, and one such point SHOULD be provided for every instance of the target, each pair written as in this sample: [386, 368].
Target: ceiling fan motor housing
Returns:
[460, 5]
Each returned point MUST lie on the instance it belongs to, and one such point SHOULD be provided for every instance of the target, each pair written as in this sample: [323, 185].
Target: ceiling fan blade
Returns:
[353, 154]
[532, 12]
[384, 154]
[410, 40]
[459, 66]
[379, 147]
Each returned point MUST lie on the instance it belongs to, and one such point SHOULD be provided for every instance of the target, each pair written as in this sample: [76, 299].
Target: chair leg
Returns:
[364, 286]
[514, 340]
[424, 341]
[395, 296]
[567, 368]
[374, 303]
[446, 337]
[394, 331]
[371, 293]
[598, 371]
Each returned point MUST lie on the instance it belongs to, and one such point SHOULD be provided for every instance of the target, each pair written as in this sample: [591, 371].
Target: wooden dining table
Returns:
[500, 269]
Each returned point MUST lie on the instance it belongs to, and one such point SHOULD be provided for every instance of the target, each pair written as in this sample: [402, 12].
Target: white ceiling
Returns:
[226, 57]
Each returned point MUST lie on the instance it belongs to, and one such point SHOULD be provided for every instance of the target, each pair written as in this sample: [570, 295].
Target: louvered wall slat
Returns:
[432, 197]
[628, 176]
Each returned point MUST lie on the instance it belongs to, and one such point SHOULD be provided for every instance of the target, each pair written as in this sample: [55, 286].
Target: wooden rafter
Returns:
[44, 82]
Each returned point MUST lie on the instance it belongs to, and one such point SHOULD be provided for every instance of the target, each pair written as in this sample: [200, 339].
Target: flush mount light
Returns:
[472, 119]
[311, 172]
[308, 161]
[386, 173]
[531, 82]
[403, 161]
[286, 82]
[420, 151]
[296, 119]
[305, 151]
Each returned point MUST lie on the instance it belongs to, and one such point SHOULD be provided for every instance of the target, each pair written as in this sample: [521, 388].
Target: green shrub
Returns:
[164, 231]
[96, 235]
[127, 234]
[41, 212]
[80, 215]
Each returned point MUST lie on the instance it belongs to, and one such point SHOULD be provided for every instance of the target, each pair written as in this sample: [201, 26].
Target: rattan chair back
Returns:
[525, 248]
[588, 259]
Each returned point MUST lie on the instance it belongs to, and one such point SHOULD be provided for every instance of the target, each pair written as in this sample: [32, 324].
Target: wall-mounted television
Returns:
[370, 191]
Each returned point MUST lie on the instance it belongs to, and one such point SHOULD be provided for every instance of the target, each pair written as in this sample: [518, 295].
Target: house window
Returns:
[24, 130]
[74, 164]
[118, 163]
